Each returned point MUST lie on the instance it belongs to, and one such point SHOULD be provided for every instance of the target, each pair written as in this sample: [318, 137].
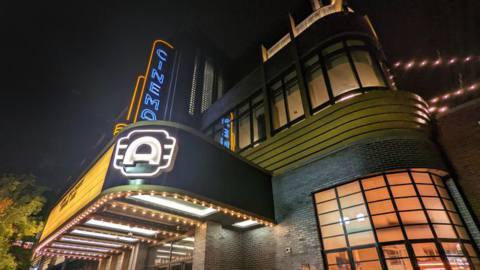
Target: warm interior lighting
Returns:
[189, 239]
[120, 227]
[245, 223]
[67, 246]
[173, 252]
[178, 246]
[196, 210]
[82, 241]
[104, 235]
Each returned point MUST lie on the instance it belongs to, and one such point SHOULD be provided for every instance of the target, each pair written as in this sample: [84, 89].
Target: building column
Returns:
[108, 263]
[217, 248]
[102, 264]
[138, 257]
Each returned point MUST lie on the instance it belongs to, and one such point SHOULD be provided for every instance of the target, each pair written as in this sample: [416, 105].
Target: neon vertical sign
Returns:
[227, 137]
[156, 83]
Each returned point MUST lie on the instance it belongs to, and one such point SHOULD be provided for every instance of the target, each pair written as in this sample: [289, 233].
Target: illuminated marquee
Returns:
[145, 153]
[156, 83]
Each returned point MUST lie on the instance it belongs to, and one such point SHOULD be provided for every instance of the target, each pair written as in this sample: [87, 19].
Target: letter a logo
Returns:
[145, 153]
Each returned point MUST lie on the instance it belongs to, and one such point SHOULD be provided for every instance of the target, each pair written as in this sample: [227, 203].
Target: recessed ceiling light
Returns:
[178, 246]
[196, 210]
[245, 223]
[82, 241]
[67, 246]
[120, 227]
[104, 235]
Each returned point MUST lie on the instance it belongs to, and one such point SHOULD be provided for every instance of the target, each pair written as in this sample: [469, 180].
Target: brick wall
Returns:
[294, 243]
[459, 137]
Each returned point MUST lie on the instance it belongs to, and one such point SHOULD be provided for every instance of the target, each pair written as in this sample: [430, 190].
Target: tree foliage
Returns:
[21, 201]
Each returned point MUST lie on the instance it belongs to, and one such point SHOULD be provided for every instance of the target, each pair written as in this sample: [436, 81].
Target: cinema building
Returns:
[313, 160]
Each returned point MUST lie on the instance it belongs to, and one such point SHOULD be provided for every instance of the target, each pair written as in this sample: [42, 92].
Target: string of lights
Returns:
[449, 95]
[435, 62]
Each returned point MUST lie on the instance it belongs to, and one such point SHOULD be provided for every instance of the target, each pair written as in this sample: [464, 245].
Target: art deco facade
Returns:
[314, 160]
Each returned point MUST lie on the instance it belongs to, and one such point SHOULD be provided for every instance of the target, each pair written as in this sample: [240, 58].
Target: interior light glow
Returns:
[80, 247]
[176, 205]
[173, 252]
[178, 246]
[120, 227]
[104, 235]
[245, 223]
[189, 239]
[82, 241]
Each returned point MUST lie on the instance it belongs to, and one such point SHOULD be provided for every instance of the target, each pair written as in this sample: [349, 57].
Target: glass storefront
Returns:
[399, 220]
[174, 255]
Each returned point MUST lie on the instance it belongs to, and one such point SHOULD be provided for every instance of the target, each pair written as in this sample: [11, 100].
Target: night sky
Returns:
[68, 69]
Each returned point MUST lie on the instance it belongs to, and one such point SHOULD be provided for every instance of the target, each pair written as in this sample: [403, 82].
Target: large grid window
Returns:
[286, 101]
[399, 220]
[339, 69]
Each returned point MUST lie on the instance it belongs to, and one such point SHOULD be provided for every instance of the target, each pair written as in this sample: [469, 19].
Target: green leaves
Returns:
[20, 203]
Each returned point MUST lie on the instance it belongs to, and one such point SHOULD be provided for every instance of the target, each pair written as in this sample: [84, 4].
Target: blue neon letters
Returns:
[156, 80]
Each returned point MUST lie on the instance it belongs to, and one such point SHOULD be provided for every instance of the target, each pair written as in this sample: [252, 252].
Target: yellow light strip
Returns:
[132, 101]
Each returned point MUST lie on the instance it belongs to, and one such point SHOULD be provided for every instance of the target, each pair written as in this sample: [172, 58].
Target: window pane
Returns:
[422, 178]
[365, 254]
[452, 248]
[381, 207]
[418, 232]
[337, 258]
[438, 216]
[327, 206]
[279, 113]
[425, 249]
[354, 212]
[387, 220]
[332, 230]
[332, 217]
[351, 200]
[367, 69]
[462, 233]
[470, 250]
[373, 182]
[374, 265]
[340, 74]
[444, 231]
[413, 217]
[443, 192]
[332, 48]
[339, 267]
[432, 203]
[399, 264]
[348, 189]
[389, 234]
[427, 190]
[334, 242]
[317, 88]
[437, 180]
[377, 194]
[458, 263]
[403, 191]
[407, 204]
[325, 195]
[294, 100]
[244, 131]
[398, 178]
[395, 251]
[455, 218]
[358, 225]
[259, 130]
[361, 238]
[434, 263]
[449, 205]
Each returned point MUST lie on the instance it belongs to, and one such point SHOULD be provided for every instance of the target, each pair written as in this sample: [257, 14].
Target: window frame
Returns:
[406, 241]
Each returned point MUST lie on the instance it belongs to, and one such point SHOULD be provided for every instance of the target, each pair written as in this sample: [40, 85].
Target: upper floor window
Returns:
[243, 127]
[286, 101]
[340, 68]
